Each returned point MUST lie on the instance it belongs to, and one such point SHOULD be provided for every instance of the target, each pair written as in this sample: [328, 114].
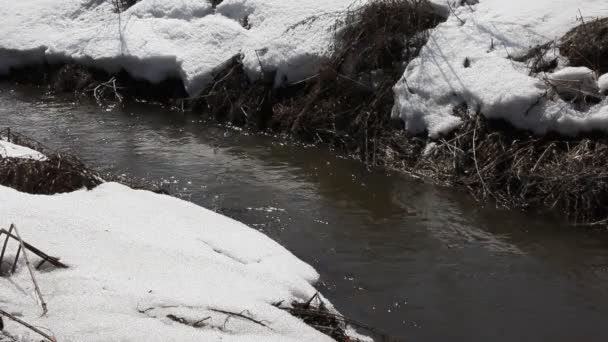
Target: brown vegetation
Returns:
[58, 173]
[518, 170]
[347, 105]
[315, 313]
[587, 45]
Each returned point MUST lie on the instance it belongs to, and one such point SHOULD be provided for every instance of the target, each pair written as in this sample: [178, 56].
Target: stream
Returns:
[418, 262]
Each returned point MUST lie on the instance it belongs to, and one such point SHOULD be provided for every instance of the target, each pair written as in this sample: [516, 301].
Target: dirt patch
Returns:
[587, 45]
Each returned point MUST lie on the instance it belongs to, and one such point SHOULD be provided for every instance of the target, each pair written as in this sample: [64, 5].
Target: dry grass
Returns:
[57, 174]
[348, 104]
[587, 45]
[519, 171]
[233, 97]
[315, 313]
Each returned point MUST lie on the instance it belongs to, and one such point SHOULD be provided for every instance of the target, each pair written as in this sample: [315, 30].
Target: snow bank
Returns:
[157, 39]
[571, 81]
[486, 35]
[602, 83]
[10, 150]
[136, 258]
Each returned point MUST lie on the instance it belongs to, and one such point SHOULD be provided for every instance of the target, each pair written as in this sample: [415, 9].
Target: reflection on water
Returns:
[419, 262]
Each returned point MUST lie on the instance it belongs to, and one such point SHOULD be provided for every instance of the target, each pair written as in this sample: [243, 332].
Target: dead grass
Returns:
[315, 313]
[518, 170]
[587, 45]
[348, 104]
[233, 97]
[57, 174]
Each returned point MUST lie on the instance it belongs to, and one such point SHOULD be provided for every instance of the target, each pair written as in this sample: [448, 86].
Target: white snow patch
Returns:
[571, 81]
[136, 257]
[184, 10]
[494, 85]
[157, 39]
[10, 150]
[602, 83]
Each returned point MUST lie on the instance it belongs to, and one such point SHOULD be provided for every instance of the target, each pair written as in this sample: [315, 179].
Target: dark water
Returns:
[418, 262]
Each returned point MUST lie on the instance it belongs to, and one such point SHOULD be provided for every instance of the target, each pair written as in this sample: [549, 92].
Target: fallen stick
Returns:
[53, 260]
[229, 314]
[29, 267]
[4, 247]
[27, 325]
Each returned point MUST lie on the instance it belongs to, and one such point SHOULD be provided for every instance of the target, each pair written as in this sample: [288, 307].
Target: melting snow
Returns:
[10, 150]
[487, 34]
[139, 262]
[157, 39]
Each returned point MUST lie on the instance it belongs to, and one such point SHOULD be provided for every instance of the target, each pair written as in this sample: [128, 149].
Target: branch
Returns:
[239, 315]
[27, 325]
[29, 267]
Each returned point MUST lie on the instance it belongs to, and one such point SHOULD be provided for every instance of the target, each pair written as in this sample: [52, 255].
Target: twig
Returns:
[541, 157]
[239, 315]
[27, 325]
[475, 158]
[454, 13]
[29, 267]
[4, 246]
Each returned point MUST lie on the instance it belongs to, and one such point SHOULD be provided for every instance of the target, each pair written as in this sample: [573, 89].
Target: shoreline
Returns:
[448, 161]
[348, 105]
[25, 155]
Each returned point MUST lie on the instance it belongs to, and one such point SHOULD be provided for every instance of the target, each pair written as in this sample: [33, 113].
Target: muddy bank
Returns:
[347, 106]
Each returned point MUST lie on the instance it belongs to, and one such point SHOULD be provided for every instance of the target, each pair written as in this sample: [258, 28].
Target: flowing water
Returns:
[418, 262]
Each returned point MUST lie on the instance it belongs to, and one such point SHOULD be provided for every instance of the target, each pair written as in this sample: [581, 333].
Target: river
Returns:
[416, 261]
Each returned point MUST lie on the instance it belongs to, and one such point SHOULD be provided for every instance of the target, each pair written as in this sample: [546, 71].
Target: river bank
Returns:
[357, 103]
[114, 241]
[393, 253]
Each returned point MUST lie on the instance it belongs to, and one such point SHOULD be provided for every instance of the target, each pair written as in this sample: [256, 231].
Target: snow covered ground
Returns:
[10, 150]
[156, 39]
[190, 39]
[139, 261]
[486, 34]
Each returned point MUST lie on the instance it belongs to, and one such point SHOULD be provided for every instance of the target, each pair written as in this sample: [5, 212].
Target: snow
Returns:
[158, 39]
[10, 150]
[602, 83]
[136, 257]
[190, 40]
[570, 81]
[494, 85]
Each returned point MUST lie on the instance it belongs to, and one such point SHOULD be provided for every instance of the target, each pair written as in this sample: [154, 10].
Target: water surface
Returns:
[419, 262]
